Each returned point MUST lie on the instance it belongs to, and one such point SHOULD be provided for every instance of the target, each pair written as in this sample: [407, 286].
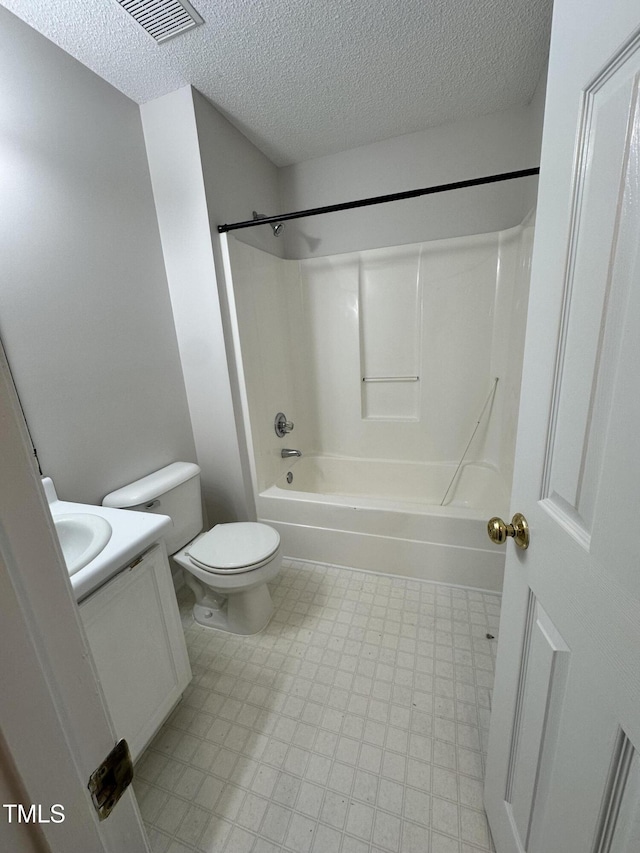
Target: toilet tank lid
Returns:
[152, 486]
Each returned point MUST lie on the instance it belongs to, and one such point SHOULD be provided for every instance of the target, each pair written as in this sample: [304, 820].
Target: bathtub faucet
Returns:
[286, 452]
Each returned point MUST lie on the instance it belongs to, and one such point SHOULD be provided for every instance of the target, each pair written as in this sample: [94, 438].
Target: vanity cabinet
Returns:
[136, 637]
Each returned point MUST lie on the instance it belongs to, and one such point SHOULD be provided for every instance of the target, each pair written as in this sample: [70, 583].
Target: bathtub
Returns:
[386, 516]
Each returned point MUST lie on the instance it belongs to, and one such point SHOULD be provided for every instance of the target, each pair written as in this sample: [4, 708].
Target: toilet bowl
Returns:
[228, 567]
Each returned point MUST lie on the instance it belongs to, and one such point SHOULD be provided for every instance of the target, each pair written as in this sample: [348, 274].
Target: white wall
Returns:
[501, 142]
[84, 308]
[238, 179]
[536, 109]
[205, 172]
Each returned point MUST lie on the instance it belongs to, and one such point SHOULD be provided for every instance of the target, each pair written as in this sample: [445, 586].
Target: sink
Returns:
[98, 541]
[82, 537]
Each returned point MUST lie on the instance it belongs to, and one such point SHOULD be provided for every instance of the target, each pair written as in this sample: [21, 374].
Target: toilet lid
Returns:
[235, 547]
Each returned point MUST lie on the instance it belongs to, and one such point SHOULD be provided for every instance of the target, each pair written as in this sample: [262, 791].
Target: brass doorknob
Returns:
[499, 531]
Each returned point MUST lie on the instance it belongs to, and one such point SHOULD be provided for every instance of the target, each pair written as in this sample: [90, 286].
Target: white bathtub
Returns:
[386, 516]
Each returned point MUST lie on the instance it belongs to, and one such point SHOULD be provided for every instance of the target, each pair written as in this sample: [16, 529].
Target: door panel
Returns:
[619, 824]
[543, 669]
[596, 285]
[562, 769]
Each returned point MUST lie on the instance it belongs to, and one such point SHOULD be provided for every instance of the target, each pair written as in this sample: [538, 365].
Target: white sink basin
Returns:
[82, 537]
[99, 541]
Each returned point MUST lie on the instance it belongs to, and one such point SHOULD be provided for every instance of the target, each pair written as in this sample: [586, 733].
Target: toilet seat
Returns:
[240, 546]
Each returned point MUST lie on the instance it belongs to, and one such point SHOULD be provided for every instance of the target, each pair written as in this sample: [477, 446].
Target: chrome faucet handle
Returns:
[282, 425]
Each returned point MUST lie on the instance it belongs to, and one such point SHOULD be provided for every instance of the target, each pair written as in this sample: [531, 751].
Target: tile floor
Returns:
[355, 723]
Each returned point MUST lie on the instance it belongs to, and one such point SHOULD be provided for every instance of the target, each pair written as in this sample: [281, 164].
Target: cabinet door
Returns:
[138, 645]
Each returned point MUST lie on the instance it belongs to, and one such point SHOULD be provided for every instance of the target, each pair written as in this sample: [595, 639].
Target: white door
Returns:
[54, 726]
[563, 770]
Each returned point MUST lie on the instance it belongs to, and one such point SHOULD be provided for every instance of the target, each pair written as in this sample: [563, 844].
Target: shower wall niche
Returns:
[385, 353]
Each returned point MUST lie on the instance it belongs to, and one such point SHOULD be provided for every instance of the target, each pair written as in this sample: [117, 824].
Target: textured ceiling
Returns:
[304, 78]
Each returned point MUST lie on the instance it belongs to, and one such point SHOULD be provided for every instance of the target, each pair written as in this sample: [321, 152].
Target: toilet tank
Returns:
[173, 491]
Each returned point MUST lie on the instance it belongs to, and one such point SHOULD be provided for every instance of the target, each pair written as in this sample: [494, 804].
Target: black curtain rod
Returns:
[381, 199]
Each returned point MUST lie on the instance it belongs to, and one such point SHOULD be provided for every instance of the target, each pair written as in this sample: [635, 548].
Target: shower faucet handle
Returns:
[281, 425]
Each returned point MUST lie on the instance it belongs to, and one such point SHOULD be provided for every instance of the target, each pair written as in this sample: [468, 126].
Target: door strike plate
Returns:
[110, 780]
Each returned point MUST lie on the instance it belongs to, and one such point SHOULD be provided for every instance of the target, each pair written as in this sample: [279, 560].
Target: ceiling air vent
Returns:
[162, 19]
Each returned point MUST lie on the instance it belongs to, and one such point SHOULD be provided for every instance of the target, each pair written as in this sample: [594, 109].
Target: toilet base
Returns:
[246, 612]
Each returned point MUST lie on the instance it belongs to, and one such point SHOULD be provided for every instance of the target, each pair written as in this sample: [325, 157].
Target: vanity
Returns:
[120, 574]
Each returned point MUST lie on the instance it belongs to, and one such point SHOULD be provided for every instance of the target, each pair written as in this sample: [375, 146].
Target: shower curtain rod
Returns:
[381, 199]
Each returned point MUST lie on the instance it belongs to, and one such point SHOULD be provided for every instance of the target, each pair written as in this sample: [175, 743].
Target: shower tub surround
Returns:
[355, 723]
[383, 359]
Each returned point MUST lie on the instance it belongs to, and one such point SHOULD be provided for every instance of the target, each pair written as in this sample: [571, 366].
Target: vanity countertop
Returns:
[132, 533]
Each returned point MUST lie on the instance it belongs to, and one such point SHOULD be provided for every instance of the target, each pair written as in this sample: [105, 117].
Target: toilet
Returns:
[227, 567]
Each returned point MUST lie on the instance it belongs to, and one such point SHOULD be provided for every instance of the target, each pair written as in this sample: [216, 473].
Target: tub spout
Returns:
[286, 452]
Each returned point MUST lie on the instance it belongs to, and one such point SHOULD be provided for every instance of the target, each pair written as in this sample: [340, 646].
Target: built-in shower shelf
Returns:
[390, 378]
